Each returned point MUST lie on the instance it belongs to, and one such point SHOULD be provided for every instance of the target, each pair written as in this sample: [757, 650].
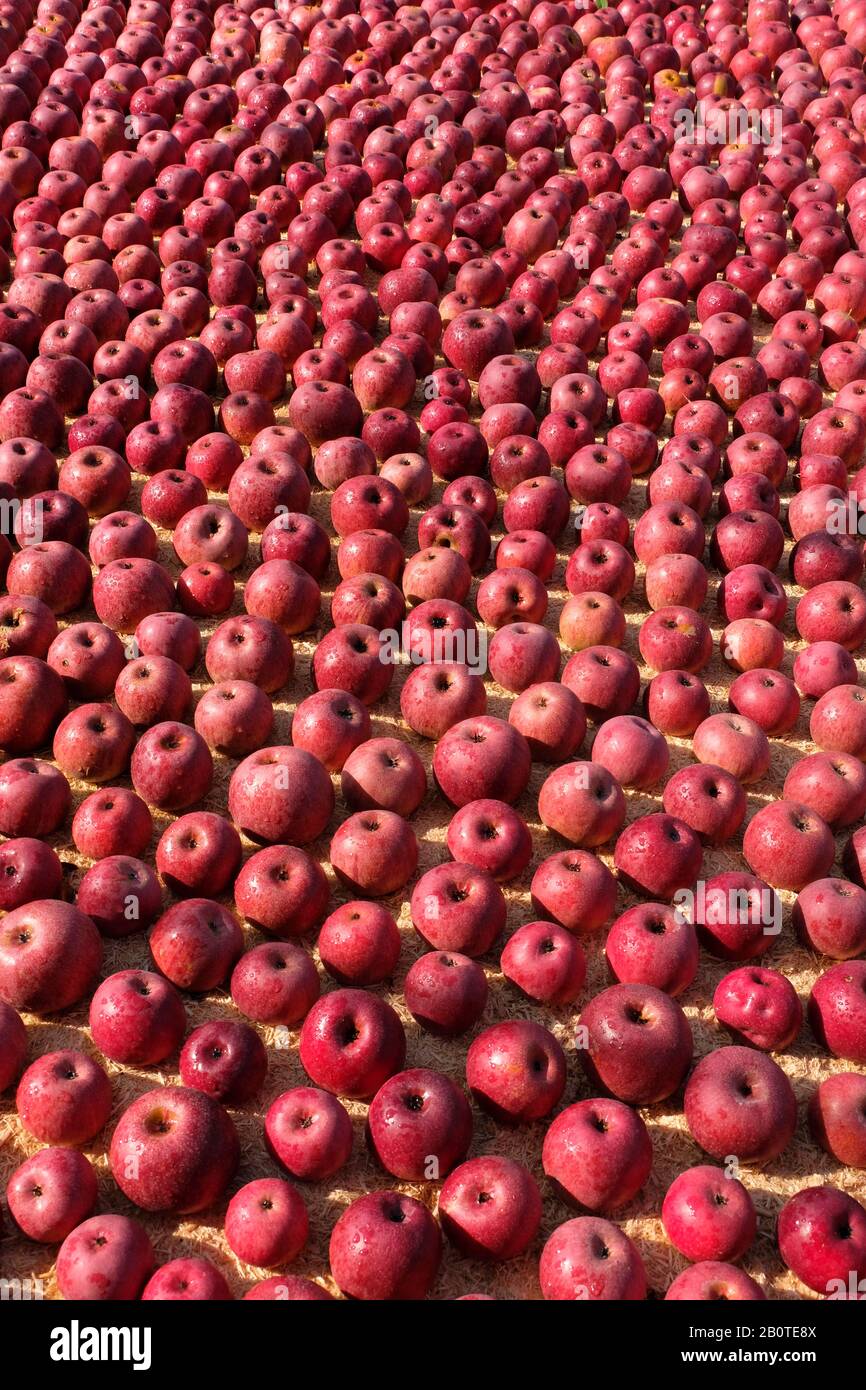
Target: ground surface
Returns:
[802, 1164]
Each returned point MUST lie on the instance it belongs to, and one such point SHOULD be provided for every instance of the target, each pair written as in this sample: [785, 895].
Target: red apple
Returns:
[64, 1098]
[491, 836]
[837, 1010]
[788, 845]
[653, 944]
[196, 943]
[419, 1125]
[309, 1132]
[174, 1150]
[490, 1208]
[516, 1072]
[351, 1042]
[137, 1018]
[359, 944]
[187, 1280]
[50, 954]
[822, 1239]
[708, 1215]
[575, 889]
[583, 803]
[225, 1060]
[618, 1025]
[830, 916]
[457, 907]
[712, 1280]
[739, 1101]
[445, 992]
[51, 1193]
[760, 1007]
[105, 1259]
[837, 1117]
[590, 1258]
[266, 1223]
[545, 962]
[385, 1246]
[598, 1154]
